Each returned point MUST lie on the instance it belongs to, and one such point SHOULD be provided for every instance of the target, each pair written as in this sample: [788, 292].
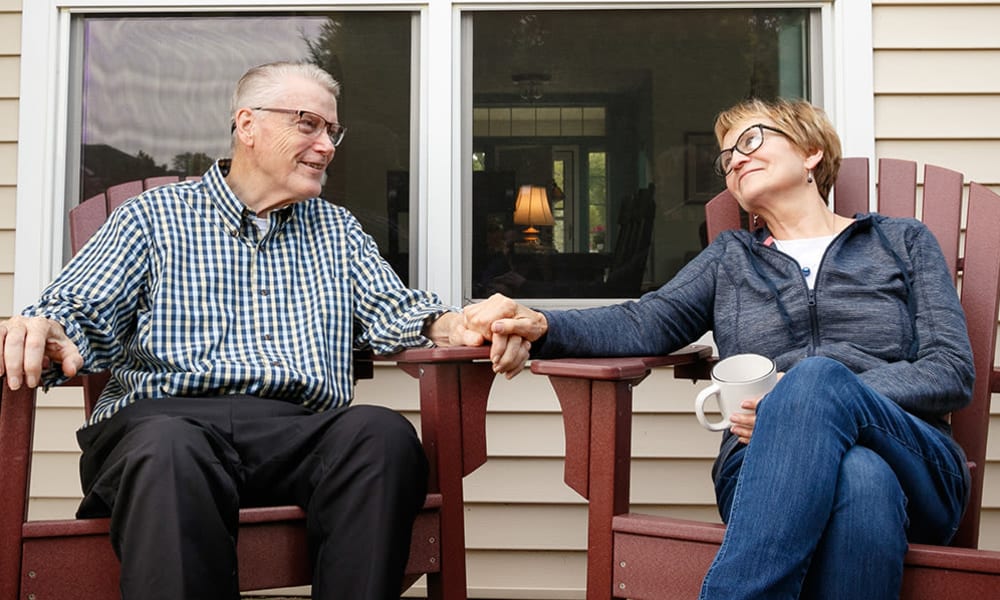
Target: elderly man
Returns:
[226, 311]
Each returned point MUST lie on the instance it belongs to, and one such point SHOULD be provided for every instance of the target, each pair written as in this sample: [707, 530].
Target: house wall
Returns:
[10, 49]
[937, 86]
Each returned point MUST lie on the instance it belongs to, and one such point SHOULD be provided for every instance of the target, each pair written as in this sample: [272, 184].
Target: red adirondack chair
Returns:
[639, 556]
[72, 558]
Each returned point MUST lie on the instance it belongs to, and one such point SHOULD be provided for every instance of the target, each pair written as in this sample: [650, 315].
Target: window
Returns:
[611, 112]
[834, 46]
[155, 91]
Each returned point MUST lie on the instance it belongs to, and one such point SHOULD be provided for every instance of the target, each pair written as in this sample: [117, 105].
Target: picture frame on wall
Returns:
[701, 184]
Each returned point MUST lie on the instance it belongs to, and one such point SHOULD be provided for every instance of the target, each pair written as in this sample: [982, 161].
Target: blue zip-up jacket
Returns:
[883, 304]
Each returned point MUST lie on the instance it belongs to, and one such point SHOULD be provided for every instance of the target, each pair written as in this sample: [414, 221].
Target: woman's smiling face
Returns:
[774, 164]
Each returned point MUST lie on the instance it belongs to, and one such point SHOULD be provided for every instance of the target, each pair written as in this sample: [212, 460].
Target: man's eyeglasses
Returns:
[749, 142]
[310, 124]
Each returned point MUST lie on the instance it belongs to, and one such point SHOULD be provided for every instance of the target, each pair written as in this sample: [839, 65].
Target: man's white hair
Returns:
[262, 84]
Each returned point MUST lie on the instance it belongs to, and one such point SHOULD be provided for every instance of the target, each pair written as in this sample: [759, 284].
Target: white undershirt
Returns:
[262, 224]
[807, 252]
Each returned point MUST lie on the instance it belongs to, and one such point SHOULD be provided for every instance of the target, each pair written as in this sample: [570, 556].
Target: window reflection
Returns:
[610, 110]
[155, 91]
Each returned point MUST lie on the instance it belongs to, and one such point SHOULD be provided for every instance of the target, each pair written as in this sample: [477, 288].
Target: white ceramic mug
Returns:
[735, 379]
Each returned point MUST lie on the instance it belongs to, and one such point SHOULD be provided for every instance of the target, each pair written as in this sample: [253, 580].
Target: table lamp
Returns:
[532, 209]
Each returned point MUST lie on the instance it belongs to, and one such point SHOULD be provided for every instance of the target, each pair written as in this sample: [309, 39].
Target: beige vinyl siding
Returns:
[10, 50]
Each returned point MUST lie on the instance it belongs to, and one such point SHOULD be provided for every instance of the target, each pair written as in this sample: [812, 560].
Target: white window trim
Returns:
[848, 71]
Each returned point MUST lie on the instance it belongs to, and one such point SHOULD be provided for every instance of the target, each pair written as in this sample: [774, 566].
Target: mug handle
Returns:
[699, 409]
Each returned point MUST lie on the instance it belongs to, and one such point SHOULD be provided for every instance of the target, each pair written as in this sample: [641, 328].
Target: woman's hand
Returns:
[743, 423]
[509, 354]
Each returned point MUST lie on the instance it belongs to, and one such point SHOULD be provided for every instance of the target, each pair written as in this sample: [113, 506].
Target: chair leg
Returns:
[598, 465]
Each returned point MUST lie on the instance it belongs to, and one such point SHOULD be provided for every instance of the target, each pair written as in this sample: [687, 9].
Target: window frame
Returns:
[441, 144]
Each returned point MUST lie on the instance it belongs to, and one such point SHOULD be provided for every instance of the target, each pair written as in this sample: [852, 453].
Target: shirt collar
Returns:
[234, 213]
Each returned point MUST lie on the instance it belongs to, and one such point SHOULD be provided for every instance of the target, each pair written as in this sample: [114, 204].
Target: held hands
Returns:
[30, 344]
[511, 327]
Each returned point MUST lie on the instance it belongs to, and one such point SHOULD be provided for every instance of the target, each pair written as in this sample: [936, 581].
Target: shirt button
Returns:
[264, 292]
[276, 363]
[268, 337]
[234, 232]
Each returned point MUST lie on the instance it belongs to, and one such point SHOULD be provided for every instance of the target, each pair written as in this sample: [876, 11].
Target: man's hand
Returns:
[29, 344]
[449, 329]
[498, 314]
[510, 326]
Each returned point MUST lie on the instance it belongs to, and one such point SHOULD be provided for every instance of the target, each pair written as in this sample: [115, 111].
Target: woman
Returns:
[850, 456]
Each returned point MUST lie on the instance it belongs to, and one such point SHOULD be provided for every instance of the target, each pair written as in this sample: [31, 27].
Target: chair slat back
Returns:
[980, 302]
[118, 194]
[942, 211]
[897, 187]
[979, 268]
[85, 219]
[850, 191]
[152, 182]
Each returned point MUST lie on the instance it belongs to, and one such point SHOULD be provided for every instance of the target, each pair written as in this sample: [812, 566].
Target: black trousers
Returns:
[172, 474]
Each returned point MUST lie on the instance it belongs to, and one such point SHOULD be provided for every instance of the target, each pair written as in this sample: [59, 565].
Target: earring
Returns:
[754, 222]
[809, 178]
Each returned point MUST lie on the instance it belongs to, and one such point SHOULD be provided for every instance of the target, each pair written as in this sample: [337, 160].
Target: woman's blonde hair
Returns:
[805, 125]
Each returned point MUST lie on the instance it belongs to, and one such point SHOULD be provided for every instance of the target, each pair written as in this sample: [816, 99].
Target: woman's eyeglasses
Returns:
[749, 142]
[310, 124]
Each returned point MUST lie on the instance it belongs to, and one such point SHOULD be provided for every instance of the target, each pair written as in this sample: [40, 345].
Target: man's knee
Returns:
[169, 442]
[383, 434]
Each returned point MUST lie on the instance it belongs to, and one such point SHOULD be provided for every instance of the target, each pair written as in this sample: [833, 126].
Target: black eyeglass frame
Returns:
[335, 131]
[717, 164]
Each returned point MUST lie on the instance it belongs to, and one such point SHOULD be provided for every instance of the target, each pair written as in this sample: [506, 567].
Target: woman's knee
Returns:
[811, 390]
[870, 498]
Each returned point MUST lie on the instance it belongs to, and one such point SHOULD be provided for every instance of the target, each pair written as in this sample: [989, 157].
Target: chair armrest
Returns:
[596, 399]
[17, 418]
[455, 384]
[454, 387]
[621, 368]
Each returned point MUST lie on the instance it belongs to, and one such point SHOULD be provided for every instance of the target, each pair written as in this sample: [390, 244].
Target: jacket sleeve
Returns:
[659, 322]
[939, 378]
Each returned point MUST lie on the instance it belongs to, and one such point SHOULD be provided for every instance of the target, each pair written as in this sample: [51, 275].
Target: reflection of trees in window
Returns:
[192, 163]
[323, 50]
[105, 166]
[150, 108]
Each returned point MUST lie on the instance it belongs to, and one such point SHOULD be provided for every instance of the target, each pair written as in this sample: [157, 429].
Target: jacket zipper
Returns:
[813, 323]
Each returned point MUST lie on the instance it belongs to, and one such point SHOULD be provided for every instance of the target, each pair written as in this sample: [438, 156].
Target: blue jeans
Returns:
[835, 481]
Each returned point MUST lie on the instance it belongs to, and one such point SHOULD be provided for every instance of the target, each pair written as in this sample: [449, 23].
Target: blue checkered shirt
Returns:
[180, 294]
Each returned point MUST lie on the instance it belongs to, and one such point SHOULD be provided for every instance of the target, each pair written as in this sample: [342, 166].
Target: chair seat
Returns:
[274, 536]
[661, 557]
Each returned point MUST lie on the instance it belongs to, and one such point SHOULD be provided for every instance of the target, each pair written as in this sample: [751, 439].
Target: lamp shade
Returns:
[532, 209]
